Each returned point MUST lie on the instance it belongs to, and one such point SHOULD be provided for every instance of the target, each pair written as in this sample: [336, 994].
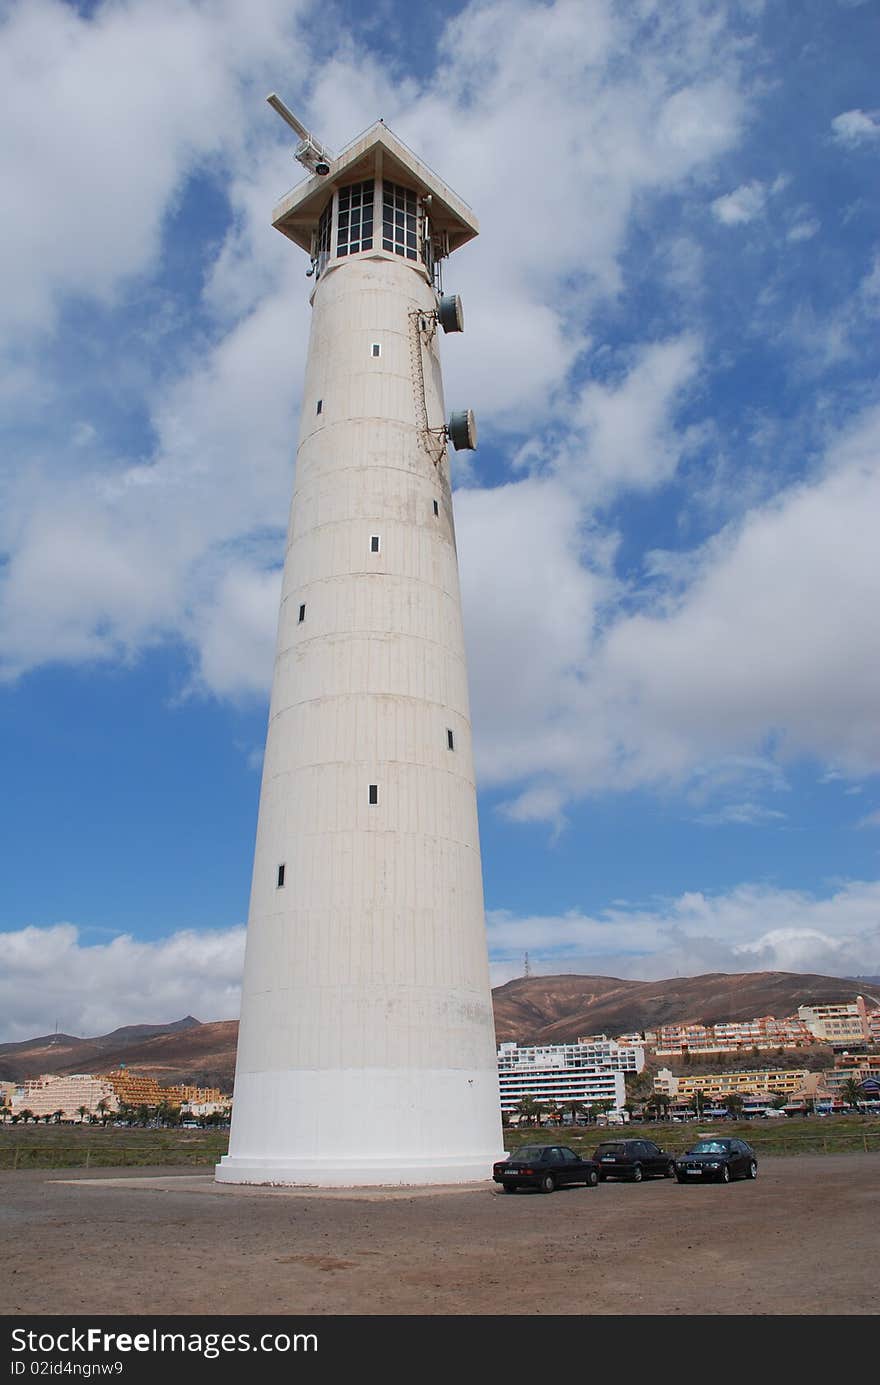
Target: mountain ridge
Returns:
[528, 1010]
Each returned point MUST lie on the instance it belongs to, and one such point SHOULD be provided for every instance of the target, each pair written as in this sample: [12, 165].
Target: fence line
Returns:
[57, 1156]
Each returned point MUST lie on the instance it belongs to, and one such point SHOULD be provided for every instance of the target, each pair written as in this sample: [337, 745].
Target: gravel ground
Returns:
[802, 1239]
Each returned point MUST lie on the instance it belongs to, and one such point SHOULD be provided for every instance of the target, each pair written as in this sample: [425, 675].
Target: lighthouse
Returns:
[366, 1052]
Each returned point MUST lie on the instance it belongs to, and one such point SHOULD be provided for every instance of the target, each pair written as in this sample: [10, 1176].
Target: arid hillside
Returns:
[537, 1009]
[555, 1009]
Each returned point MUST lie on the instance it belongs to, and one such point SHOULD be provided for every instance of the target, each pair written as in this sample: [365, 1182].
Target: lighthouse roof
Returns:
[376, 151]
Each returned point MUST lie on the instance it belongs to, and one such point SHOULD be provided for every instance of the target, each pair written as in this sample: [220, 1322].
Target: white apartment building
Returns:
[47, 1094]
[837, 1024]
[591, 1069]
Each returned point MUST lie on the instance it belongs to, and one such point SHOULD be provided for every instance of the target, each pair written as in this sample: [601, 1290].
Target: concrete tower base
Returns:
[364, 1127]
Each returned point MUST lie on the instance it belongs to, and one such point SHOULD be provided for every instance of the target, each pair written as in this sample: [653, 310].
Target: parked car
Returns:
[633, 1159]
[718, 1160]
[545, 1167]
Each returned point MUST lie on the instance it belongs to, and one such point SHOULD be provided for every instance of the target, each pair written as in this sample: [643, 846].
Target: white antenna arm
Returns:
[310, 152]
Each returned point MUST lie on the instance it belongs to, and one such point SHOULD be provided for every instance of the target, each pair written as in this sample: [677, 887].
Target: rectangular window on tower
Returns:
[450, 739]
[302, 614]
[374, 793]
[280, 876]
[376, 348]
[320, 408]
[374, 543]
[354, 230]
[436, 507]
[399, 215]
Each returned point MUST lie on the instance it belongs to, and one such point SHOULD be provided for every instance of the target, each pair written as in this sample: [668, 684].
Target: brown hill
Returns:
[557, 1009]
[537, 1009]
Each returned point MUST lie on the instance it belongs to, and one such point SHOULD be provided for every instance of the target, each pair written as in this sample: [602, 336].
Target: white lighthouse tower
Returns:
[367, 1052]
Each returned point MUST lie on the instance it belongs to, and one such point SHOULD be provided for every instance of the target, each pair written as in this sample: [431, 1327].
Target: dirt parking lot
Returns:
[802, 1239]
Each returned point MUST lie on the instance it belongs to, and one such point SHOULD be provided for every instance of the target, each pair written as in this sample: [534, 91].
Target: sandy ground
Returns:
[802, 1239]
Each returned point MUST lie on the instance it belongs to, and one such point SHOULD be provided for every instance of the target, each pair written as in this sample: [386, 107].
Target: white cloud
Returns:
[742, 815]
[49, 975]
[751, 928]
[742, 205]
[748, 201]
[767, 634]
[627, 430]
[870, 820]
[107, 554]
[856, 127]
[104, 119]
[803, 230]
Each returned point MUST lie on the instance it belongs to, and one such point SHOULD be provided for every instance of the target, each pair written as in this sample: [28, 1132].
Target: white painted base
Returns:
[356, 1174]
[363, 1127]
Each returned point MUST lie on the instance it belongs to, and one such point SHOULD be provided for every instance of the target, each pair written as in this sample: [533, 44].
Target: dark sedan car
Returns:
[717, 1160]
[633, 1159]
[546, 1167]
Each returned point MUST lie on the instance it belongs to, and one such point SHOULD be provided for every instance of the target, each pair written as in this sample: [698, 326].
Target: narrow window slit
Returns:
[374, 793]
[450, 739]
[302, 614]
[374, 543]
[280, 876]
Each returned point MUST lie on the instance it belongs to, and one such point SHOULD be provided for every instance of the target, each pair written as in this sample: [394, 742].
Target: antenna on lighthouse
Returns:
[309, 152]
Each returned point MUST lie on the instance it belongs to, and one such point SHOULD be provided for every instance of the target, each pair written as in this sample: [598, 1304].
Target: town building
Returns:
[185, 1095]
[46, 1095]
[135, 1089]
[715, 1086]
[762, 1033]
[591, 1069]
[837, 1024]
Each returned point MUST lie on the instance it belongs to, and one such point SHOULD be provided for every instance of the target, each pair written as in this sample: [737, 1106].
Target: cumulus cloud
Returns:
[723, 658]
[49, 975]
[105, 118]
[856, 127]
[52, 974]
[106, 554]
[742, 205]
[751, 928]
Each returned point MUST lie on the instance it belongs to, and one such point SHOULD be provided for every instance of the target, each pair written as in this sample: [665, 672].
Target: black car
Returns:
[718, 1160]
[633, 1159]
[546, 1167]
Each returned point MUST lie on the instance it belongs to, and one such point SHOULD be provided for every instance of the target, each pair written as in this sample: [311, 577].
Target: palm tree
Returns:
[525, 1109]
[575, 1109]
[659, 1104]
[82, 1112]
[103, 1109]
[851, 1091]
[734, 1103]
[27, 1115]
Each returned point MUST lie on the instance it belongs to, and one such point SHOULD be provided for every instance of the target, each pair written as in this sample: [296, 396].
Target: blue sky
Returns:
[667, 537]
